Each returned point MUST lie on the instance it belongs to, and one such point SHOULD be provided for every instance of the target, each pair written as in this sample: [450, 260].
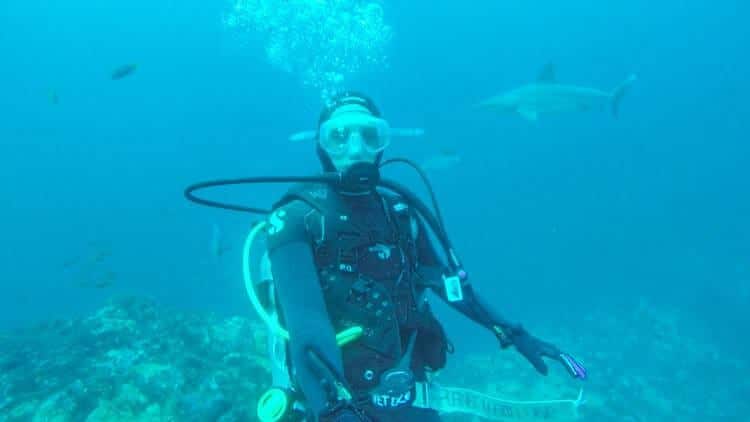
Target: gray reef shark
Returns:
[546, 95]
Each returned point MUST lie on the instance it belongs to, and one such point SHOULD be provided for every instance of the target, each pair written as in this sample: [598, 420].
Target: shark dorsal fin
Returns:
[547, 75]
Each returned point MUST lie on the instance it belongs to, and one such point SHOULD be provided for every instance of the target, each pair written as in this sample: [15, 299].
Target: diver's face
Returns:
[355, 152]
[353, 135]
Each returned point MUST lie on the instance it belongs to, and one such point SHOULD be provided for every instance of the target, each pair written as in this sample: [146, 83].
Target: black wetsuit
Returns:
[364, 260]
[360, 272]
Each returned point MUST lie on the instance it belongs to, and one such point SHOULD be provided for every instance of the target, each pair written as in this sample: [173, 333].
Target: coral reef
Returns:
[646, 363]
[134, 360]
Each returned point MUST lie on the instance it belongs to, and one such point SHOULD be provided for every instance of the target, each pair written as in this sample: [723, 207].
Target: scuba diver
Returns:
[350, 255]
[345, 254]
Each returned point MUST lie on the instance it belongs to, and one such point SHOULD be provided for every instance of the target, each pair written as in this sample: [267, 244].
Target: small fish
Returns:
[106, 280]
[305, 135]
[123, 71]
[407, 132]
[99, 251]
[99, 282]
[218, 246]
[70, 262]
[101, 254]
[744, 290]
[444, 160]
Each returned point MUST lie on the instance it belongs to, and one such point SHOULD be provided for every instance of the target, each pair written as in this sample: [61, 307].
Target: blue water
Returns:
[552, 218]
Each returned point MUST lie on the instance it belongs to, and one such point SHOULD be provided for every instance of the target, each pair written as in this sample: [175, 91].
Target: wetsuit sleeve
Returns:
[301, 300]
[473, 306]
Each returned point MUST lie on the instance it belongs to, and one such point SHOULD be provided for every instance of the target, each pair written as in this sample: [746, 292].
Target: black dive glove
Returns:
[534, 350]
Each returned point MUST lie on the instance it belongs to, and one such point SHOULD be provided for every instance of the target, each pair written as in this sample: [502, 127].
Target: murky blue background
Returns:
[552, 218]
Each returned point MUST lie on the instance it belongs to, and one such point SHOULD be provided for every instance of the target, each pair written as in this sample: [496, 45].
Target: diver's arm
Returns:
[431, 269]
[301, 301]
[513, 334]
[473, 306]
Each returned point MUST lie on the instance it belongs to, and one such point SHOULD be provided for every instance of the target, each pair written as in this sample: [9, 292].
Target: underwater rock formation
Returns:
[134, 360]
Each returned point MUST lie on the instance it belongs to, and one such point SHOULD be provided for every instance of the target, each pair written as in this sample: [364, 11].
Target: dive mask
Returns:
[336, 135]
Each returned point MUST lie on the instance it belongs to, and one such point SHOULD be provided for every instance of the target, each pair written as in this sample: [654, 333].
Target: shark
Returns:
[547, 96]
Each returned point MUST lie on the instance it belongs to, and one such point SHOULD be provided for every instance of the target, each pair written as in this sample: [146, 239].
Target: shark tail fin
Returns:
[619, 92]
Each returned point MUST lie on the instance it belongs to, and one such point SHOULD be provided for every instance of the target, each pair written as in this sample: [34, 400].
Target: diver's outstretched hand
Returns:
[534, 350]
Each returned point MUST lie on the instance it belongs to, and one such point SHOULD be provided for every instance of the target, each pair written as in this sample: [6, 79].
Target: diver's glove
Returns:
[534, 350]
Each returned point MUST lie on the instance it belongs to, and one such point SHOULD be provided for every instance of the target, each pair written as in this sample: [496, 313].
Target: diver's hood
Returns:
[324, 158]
